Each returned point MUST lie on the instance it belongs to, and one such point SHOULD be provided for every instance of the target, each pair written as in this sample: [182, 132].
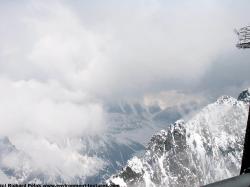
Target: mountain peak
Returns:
[202, 150]
[245, 96]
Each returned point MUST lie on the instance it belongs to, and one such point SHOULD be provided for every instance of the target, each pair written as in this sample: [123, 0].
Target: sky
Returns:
[61, 61]
[116, 50]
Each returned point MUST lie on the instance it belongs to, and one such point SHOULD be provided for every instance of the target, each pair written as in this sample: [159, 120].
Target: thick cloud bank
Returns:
[116, 49]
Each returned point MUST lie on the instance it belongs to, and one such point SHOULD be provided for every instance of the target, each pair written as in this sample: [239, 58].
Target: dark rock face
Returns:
[203, 150]
[245, 96]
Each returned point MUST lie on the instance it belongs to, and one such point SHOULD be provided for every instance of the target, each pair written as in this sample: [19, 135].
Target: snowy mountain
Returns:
[206, 148]
[130, 125]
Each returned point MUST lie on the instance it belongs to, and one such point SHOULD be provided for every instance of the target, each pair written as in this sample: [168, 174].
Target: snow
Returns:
[119, 181]
[205, 149]
[135, 164]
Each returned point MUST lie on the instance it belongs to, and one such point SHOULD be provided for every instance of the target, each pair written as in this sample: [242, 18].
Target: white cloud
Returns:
[51, 160]
[46, 122]
[48, 108]
[116, 51]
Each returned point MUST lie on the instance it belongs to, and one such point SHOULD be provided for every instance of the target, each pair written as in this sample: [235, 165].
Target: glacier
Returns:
[206, 148]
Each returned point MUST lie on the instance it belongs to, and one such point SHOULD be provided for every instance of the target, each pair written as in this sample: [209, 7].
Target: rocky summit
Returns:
[245, 95]
[205, 149]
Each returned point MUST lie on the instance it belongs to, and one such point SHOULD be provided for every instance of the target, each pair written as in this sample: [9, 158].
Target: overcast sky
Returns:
[125, 48]
[60, 61]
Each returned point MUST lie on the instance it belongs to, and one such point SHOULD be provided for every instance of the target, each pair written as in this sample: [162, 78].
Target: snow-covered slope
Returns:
[96, 158]
[205, 149]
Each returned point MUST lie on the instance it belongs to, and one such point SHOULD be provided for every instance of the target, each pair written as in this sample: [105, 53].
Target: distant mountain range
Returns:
[130, 125]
